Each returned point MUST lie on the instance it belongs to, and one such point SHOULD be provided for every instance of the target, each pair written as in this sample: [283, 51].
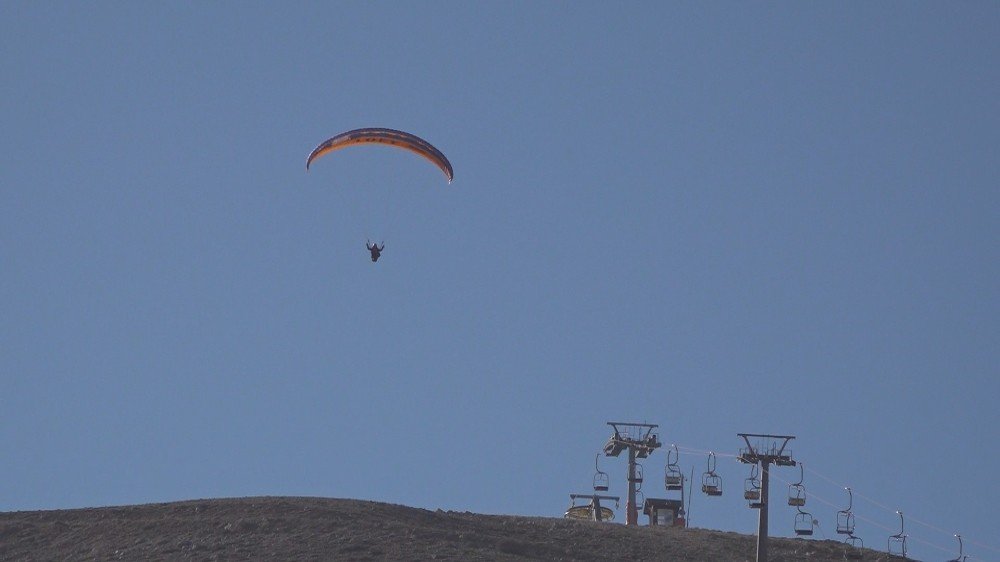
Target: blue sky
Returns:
[719, 218]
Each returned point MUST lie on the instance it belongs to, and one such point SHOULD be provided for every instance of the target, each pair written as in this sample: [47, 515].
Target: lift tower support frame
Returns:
[765, 453]
[640, 441]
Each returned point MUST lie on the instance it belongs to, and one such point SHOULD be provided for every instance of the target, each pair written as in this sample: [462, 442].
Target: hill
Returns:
[292, 528]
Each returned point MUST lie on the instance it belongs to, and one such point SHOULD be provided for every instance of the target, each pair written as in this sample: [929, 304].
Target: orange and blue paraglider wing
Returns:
[391, 137]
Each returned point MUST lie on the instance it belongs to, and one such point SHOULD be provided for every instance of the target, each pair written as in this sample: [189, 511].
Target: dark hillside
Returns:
[276, 528]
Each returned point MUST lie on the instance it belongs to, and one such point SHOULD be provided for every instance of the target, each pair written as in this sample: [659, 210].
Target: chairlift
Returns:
[797, 492]
[845, 518]
[961, 557]
[636, 475]
[751, 489]
[804, 523]
[855, 547]
[601, 479]
[673, 479]
[711, 483]
[897, 543]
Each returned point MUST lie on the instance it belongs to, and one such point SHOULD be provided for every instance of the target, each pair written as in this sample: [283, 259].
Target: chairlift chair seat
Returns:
[845, 523]
[673, 480]
[900, 542]
[601, 478]
[796, 495]
[804, 523]
[601, 481]
[711, 484]
[751, 487]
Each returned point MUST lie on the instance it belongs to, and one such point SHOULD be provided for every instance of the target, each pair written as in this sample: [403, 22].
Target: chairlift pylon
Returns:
[797, 492]
[711, 483]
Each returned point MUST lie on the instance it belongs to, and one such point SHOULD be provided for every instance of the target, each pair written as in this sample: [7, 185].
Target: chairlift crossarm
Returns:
[642, 440]
[773, 453]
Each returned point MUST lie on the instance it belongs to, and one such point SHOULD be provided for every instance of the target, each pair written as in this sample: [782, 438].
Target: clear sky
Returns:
[718, 217]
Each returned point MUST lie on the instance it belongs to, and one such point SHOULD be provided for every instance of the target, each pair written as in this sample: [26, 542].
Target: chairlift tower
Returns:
[765, 450]
[639, 440]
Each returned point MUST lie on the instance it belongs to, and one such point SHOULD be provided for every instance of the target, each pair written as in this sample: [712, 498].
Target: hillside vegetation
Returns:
[292, 528]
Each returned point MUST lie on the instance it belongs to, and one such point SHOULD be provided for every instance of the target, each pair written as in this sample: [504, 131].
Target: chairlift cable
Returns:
[872, 501]
[891, 530]
[908, 517]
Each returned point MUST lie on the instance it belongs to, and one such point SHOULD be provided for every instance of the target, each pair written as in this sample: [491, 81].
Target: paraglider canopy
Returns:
[391, 137]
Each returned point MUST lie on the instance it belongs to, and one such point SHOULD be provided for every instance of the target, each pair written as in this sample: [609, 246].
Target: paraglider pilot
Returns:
[375, 249]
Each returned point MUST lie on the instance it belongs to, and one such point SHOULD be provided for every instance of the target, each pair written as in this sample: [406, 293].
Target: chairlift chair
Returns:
[804, 523]
[797, 492]
[845, 523]
[672, 478]
[711, 483]
[961, 557]
[751, 489]
[796, 495]
[897, 543]
[845, 518]
[601, 479]
[637, 475]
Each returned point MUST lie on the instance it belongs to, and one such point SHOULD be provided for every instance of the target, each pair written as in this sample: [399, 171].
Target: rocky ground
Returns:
[282, 528]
